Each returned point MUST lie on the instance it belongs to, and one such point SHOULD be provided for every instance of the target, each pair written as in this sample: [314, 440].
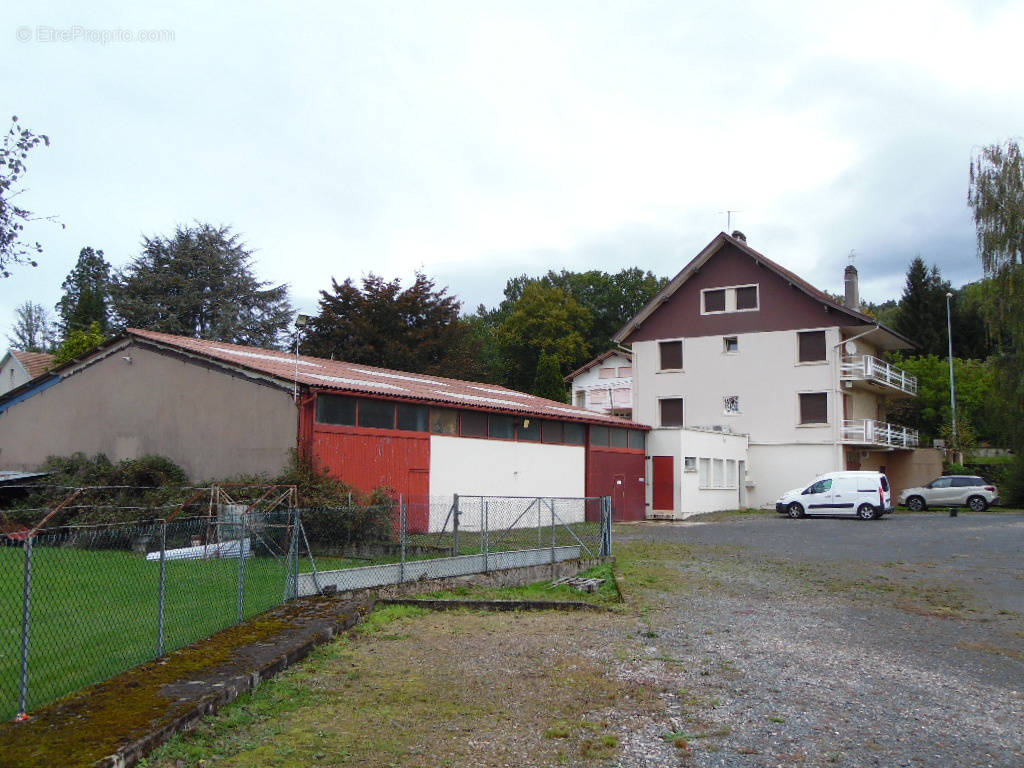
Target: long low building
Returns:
[221, 410]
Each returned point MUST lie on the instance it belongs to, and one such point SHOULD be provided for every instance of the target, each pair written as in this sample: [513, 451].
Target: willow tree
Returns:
[997, 198]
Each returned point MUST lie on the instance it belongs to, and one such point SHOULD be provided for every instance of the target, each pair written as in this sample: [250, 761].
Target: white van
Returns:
[864, 494]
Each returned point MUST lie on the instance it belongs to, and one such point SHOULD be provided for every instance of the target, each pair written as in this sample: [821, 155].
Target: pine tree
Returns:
[921, 314]
[86, 294]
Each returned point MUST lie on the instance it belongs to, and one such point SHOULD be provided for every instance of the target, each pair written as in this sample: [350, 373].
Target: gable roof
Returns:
[597, 361]
[855, 317]
[34, 363]
[338, 376]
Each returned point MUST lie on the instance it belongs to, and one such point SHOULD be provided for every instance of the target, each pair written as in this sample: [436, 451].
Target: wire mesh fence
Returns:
[80, 604]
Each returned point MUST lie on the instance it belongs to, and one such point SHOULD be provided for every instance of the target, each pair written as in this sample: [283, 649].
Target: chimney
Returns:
[852, 288]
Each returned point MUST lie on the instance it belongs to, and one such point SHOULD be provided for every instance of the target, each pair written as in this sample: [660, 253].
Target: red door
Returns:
[619, 497]
[663, 483]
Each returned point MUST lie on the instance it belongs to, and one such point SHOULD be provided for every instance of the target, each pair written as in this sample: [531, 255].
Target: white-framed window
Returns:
[689, 463]
[731, 405]
[730, 473]
[730, 298]
[730, 345]
[717, 473]
[581, 399]
[704, 473]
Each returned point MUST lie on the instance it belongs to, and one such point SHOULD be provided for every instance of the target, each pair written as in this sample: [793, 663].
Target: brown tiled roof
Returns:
[339, 376]
[597, 360]
[36, 363]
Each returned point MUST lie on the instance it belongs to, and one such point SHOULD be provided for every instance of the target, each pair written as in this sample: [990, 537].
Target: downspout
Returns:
[838, 362]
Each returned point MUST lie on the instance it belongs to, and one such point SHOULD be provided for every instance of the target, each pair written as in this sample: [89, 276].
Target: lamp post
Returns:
[952, 383]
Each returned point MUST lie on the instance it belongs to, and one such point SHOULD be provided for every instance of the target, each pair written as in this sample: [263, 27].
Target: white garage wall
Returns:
[779, 468]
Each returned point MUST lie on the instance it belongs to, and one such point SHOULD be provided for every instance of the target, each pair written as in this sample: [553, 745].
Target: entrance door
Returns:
[663, 483]
[619, 497]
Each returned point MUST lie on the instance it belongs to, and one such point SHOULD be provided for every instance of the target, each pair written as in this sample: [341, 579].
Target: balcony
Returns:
[878, 434]
[878, 374]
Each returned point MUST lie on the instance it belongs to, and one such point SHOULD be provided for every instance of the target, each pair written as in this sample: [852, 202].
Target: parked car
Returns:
[952, 491]
[864, 494]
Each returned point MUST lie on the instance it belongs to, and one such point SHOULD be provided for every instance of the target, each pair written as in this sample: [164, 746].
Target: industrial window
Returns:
[414, 418]
[575, 433]
[619, 437]
[671, 355]
[599, 436]
[812, 346]
[474, 424]
[607, 373]
[637, 439]
[738, 298]
[671, 412]
[444, 421]
[554, 432]
[813, 407]
[730, 344]
[503, 427]
[336, 409]
[377, 414]
[528, 431]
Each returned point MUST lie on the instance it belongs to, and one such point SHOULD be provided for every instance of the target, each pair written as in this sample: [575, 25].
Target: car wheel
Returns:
[915, 503]
[795, 510]
[977, 504]
[866, 512]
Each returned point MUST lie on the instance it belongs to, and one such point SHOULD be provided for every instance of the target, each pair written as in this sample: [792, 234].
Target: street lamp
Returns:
[952, 382]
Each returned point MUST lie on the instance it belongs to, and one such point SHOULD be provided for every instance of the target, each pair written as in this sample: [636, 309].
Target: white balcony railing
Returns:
[868, 368]
[880, 433]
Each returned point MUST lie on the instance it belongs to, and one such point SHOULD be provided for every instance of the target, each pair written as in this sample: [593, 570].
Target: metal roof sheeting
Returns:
[350, 378]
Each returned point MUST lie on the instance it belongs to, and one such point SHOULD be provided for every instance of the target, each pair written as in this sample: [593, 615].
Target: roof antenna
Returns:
[852, 256]
[728, 218]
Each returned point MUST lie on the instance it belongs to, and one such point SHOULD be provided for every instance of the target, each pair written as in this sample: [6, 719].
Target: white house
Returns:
[737, 345]
[605, 384]
[18, 367]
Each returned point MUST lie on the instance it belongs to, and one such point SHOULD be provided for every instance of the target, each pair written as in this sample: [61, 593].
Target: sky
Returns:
[481, 140]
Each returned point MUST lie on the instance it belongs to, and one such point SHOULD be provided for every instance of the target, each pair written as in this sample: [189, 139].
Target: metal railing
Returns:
[80, 604]
[869, 368]
[880, 433]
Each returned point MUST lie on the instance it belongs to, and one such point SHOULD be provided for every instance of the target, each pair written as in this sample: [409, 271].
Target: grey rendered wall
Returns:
[213, 423]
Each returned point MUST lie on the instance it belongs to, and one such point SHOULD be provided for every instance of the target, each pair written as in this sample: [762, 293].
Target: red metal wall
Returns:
[618, 473]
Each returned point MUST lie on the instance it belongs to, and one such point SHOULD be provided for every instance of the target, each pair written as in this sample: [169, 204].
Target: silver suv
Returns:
[952, 491]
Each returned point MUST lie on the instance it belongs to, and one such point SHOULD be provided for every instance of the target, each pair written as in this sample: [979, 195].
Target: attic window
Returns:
[736, 298]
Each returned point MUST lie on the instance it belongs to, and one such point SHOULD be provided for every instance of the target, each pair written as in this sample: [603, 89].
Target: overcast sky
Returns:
[478, 140]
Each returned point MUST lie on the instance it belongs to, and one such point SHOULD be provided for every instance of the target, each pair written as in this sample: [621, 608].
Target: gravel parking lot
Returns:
[897, 642]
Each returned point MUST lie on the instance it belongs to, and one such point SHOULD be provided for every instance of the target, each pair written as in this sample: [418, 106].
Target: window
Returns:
[336, 409]
[415, 418]
[637, 439]
[474, 424]
[813, 408]
[599, 436]
[689, 463]
[671, 355]
[812, 346]
[528, 430]
[739, 298]
[581, 399]
[503, 427]
[619, 438]
[574, 433]
[671, 412]
[625, 371]
[599, 397]
[444, 421]
[942, 482]
[553, 432]
[730, 473]
[376, 414]
[730, 345]
[820, 487]
[731, 405]
[704, 473]
[717, 473]
[607, 373]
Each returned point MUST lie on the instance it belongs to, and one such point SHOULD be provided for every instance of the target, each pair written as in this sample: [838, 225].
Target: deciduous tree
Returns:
[199, 282]
[17, 143]
[33, 329]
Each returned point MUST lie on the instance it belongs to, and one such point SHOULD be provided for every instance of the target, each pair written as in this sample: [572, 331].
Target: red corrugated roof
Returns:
[339, 376]
[36, 363]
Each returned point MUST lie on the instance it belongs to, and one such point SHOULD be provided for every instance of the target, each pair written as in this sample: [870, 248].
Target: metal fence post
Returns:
[485, 534]
[241, 570]
[403, 518]
[26, 624]
[455, 526]
[163, 590]
[551, 506]
[296, 527]
[606, 526]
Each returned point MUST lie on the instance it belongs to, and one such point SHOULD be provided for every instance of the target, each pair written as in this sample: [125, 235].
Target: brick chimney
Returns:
[852, 287]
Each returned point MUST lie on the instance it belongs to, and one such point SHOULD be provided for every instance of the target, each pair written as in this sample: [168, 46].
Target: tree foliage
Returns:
[199, 282]
[996, 196]
[33, 329]
[78, 342]
[17, 143]
[414, 329]
[545, 321]
[86, 294]
[549, 381]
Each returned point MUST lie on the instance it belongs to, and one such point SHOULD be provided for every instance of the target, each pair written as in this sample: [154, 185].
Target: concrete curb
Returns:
[499, 605]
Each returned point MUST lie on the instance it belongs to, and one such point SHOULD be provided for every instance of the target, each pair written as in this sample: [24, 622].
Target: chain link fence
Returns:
[80, 604]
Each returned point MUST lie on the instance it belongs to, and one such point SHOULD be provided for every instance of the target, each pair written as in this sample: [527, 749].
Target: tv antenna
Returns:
[728, 218]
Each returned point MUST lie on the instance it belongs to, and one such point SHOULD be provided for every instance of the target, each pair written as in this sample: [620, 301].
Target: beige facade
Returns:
[134, 401]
